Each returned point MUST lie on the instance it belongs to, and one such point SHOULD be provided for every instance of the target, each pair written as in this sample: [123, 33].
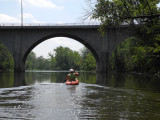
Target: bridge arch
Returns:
[66, 35]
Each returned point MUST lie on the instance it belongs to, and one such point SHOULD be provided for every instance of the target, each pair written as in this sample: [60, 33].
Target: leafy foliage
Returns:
[37, 63]
[62, 58]
[88, 62]
[131, 56]
[6, 59]
[141, 52]
[145, 13]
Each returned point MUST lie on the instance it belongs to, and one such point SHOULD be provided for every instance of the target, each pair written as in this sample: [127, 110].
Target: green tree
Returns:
[64, 58]
[52, 61]
[37, 63]
[43, 64]
[145, 13]
[84, 52]
[142, 16]
[31, 61]
[6, 59]
[131, 56]
[88, 61]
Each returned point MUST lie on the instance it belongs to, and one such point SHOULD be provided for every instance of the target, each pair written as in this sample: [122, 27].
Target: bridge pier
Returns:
[19, 64]
[103, 63]
[19, 79]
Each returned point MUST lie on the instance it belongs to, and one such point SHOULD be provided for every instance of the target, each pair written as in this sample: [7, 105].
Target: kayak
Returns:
[72, 82]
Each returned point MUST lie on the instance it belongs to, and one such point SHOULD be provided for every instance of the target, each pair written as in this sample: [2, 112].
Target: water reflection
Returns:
[114, 104]
[127, 81]
[57, 77]
[45, 77]
[98, 96]
[12, 79]
[19, 79]
[6, 79]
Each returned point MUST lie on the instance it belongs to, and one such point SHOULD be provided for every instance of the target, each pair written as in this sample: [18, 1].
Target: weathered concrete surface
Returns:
[21, 40]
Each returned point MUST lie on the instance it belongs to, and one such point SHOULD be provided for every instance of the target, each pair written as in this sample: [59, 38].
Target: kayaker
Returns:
[72, 75]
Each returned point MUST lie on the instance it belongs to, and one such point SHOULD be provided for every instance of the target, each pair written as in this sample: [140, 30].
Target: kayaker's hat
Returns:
[71, 70]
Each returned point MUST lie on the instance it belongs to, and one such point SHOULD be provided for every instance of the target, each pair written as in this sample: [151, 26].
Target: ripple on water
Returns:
[85, 101]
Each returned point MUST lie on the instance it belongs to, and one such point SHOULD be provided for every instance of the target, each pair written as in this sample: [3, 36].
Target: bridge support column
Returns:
[103, 63]
[19, 65]
[19, 68]
[19, 79]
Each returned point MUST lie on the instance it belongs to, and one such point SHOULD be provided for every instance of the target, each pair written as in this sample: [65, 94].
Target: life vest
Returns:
[72, 76]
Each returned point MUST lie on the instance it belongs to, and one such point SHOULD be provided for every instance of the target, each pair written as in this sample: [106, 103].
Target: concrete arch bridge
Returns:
[20, 40]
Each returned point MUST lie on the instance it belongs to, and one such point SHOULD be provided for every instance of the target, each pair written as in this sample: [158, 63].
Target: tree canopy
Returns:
[88, 61]
[6, 59]
[37, 63]
[142, 51]
[62, 58]
[131, 12]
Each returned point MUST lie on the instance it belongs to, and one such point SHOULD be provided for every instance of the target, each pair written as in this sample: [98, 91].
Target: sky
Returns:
[45, 12]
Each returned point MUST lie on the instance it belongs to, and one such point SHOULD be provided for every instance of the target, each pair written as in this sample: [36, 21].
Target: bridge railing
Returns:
[48, 24]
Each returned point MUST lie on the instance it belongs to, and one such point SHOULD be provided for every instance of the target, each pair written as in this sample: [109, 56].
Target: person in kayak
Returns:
[72, 75]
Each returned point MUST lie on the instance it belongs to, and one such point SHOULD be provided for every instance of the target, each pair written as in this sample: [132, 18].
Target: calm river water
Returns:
[98, 97]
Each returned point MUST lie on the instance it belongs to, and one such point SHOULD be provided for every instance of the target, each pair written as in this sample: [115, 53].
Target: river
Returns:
[98, 97]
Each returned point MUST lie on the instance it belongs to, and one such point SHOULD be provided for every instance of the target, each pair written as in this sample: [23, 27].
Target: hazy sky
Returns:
[45, 11]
